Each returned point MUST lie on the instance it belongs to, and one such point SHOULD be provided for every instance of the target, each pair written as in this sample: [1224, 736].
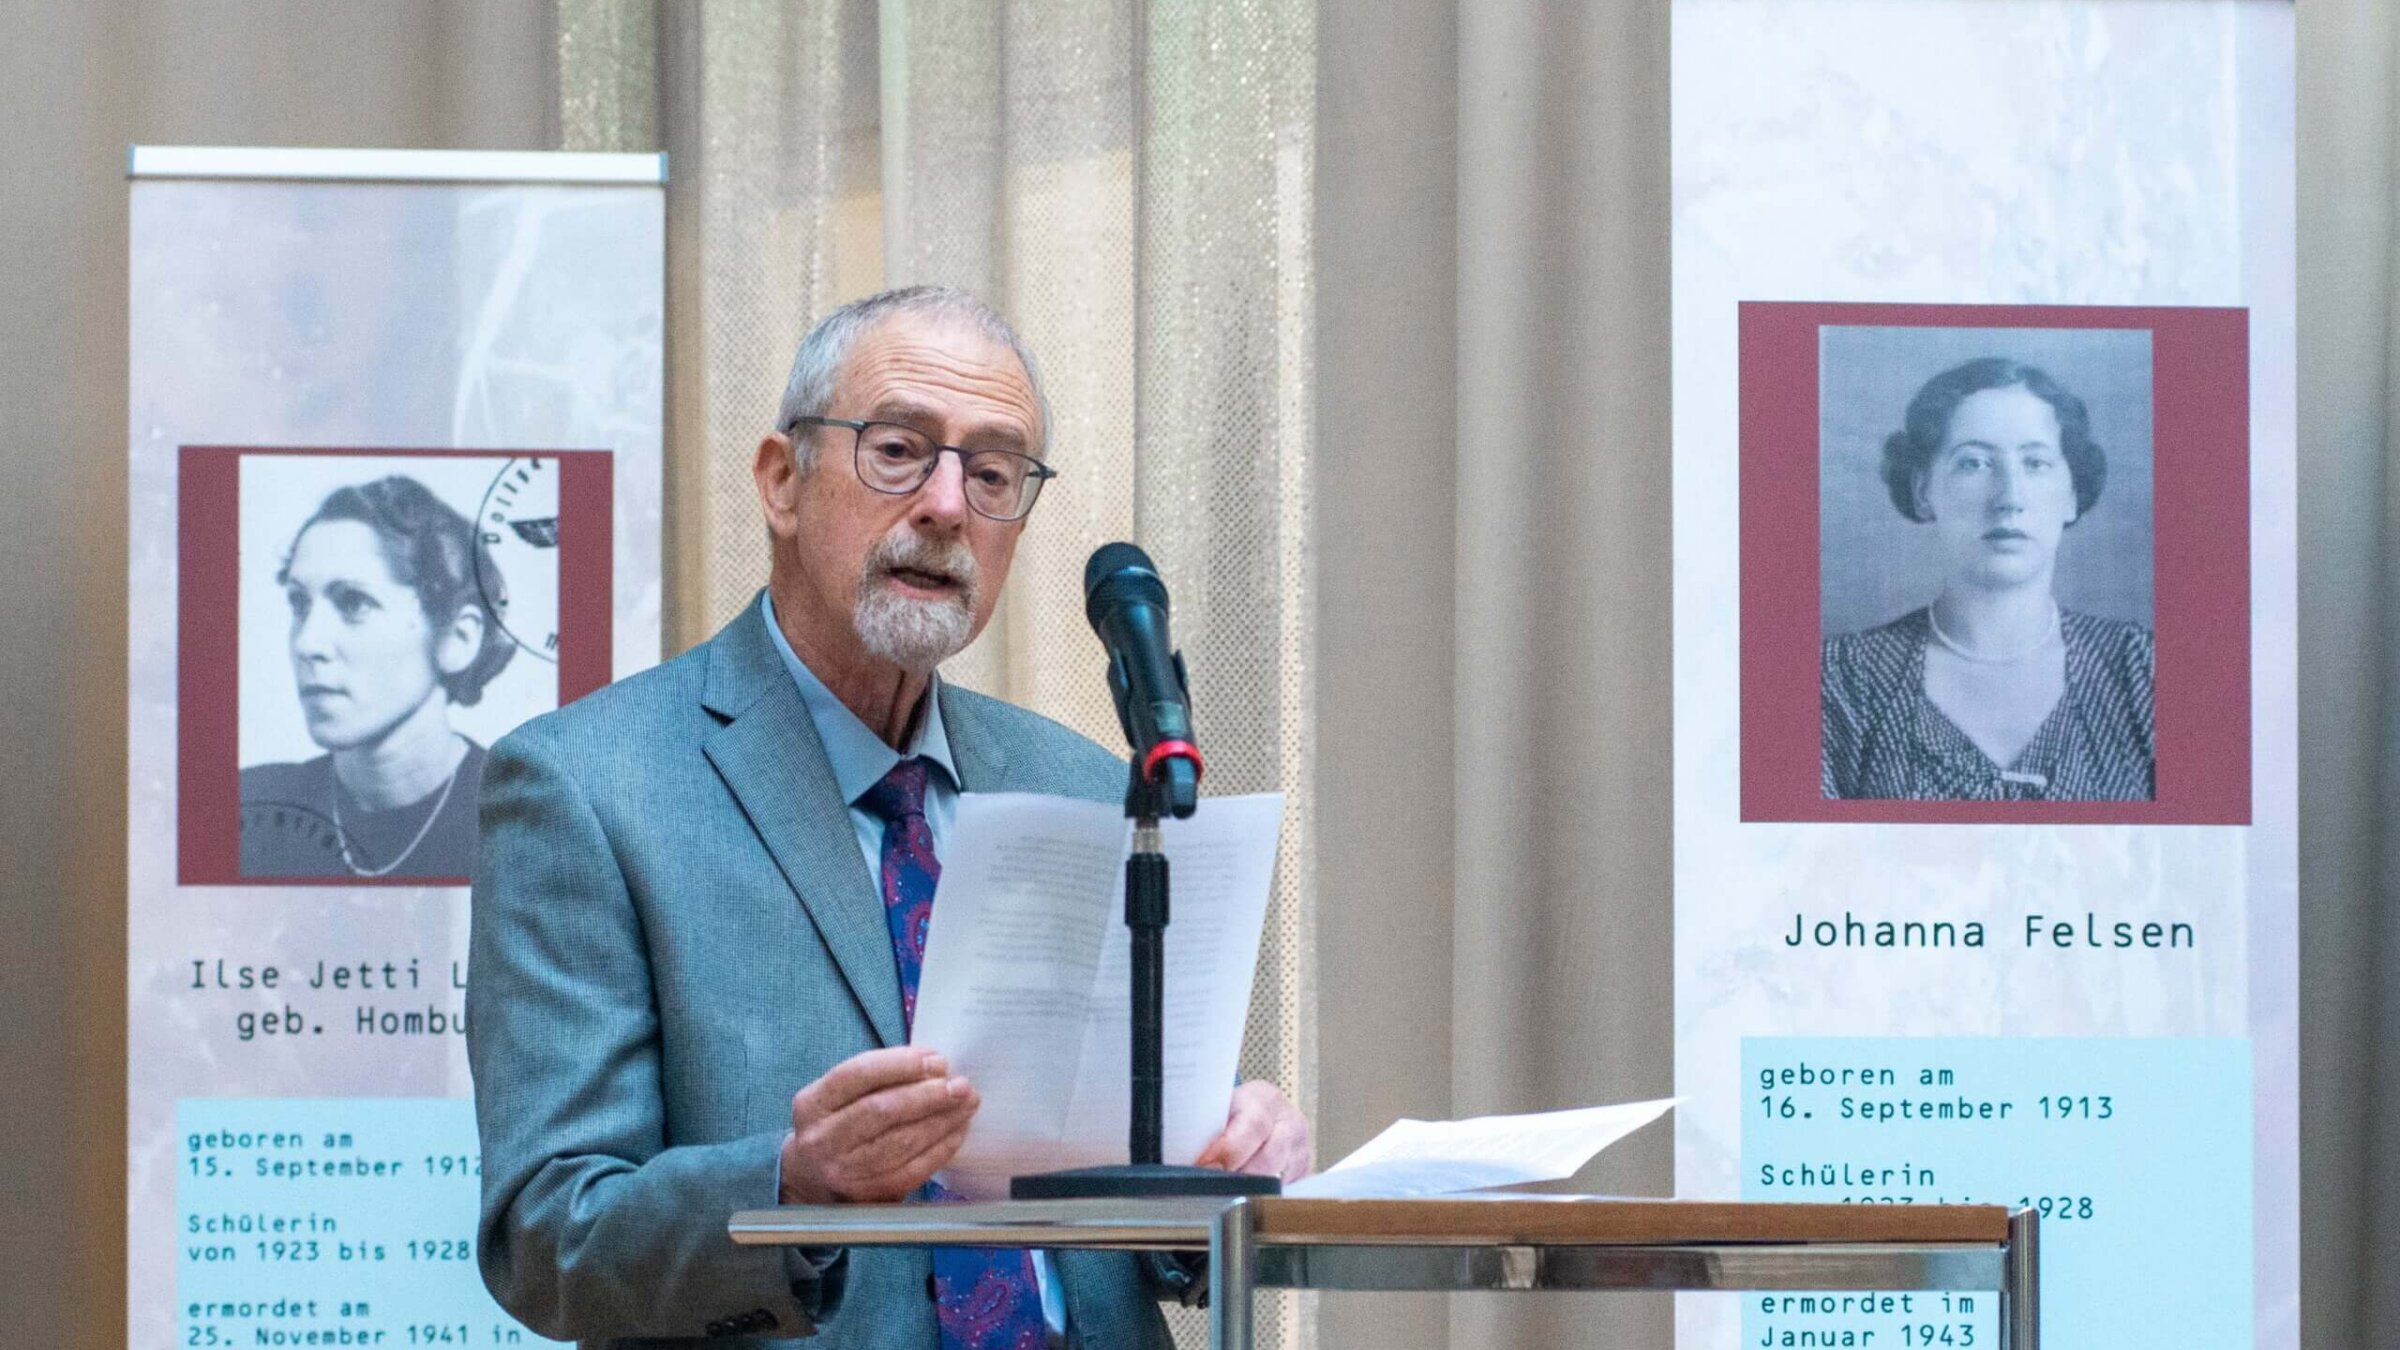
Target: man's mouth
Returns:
[2005, 535]
[923, 579]
[320, 691]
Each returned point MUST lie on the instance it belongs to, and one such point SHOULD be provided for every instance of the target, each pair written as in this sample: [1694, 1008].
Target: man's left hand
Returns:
[1264, 1134]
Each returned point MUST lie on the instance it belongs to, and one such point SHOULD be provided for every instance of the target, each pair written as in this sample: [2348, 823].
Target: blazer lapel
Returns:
[770, 757]
[982, 761]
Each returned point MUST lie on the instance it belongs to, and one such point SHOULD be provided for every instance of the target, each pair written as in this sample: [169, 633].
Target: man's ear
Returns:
[776, 470]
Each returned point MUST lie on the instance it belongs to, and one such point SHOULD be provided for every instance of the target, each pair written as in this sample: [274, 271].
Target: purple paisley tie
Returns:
[986, 1298]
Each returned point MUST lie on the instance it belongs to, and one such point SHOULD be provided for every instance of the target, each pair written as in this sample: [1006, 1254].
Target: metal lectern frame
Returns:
[1514, 1242]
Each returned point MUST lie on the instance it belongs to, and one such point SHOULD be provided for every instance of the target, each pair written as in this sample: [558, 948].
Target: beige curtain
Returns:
[1131, 185]
[1494, 833]
[78, 83]
[2349, 682]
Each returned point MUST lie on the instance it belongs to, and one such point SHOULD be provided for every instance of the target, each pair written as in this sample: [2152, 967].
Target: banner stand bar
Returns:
[394, 166]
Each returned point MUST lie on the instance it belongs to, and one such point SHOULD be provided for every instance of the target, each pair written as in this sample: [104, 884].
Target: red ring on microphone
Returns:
[1166, 750]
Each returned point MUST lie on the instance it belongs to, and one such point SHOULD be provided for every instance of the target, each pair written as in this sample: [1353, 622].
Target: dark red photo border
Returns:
[2200, 395]
[208, 634]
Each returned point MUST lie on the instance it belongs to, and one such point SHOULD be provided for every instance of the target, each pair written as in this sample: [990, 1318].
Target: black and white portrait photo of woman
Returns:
[1979, 683]
[389, 600]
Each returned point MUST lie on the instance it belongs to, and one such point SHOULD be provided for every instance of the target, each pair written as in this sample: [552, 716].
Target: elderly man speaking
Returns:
[700, 905]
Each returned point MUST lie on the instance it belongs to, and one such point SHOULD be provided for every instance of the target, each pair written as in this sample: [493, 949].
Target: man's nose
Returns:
[942, 501]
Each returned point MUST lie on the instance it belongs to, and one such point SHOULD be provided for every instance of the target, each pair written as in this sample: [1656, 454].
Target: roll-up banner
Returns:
[394, 489]
[1985, 715]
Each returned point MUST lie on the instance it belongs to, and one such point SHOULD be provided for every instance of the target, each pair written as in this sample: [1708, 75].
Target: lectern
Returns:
[1501, 1242]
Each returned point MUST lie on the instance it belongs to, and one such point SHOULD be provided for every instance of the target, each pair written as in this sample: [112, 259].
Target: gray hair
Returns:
[818, 363]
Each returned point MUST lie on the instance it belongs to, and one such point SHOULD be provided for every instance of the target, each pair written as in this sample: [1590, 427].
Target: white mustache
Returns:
[917, 553]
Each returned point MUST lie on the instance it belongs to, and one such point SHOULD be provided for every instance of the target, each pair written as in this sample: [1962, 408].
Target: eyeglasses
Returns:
[897, 460]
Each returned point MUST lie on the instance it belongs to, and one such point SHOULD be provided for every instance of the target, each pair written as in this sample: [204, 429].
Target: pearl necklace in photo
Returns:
[2049, 635]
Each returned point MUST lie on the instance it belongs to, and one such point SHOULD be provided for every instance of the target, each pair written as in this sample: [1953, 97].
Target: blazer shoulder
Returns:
[616, 717]
[1076, 764]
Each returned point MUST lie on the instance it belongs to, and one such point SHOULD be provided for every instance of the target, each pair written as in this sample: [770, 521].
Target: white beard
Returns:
[915, 635]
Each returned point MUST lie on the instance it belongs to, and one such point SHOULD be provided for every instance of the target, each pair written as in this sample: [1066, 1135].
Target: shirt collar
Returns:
[860, 758]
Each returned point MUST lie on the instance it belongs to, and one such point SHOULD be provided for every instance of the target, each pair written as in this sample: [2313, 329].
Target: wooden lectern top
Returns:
[1586, 1220]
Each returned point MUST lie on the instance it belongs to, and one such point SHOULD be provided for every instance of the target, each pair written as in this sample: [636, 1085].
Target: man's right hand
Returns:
[876, 1127]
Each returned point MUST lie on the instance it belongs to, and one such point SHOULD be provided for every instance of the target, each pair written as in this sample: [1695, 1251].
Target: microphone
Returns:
[1127, 606]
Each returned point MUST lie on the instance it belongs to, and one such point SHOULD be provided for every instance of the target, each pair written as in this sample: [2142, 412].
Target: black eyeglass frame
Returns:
[1038, 475]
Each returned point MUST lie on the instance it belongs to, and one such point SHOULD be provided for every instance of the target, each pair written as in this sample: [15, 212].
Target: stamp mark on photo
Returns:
[311, 831]
[518, 526]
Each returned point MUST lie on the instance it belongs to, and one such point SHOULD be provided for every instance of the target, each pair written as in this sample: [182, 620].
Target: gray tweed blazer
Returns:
[672, 933]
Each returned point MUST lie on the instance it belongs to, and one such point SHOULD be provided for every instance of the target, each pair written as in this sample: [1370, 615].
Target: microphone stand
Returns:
[1172, 790]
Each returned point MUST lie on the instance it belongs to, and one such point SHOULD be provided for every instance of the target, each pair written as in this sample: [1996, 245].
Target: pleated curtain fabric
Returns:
[2349, 621]
[1131, 184]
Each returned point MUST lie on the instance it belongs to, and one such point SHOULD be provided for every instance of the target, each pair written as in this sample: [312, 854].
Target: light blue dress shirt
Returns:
[860, 760]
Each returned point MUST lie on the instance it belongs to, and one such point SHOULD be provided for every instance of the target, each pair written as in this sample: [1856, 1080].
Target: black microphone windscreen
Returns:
[1120, 572]
[1109, 558]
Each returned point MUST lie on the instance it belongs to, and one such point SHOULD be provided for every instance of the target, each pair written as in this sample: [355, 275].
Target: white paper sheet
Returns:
[1025, 986]
[1439, 1157]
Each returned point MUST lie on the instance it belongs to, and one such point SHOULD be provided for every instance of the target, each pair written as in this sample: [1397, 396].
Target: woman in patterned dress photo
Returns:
[1992, 691]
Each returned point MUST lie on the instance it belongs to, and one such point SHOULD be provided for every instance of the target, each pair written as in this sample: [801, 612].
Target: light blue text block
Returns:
[347, 1222]
[2137, 1152]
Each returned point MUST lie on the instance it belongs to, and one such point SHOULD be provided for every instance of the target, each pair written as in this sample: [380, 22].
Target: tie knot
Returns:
[900, 793]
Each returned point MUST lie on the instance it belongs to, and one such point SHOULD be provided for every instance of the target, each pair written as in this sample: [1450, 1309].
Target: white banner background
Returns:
[2101, 153]
[302, 1155]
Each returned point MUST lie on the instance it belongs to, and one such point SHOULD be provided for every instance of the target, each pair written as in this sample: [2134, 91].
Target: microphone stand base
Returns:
[1133, 1181]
